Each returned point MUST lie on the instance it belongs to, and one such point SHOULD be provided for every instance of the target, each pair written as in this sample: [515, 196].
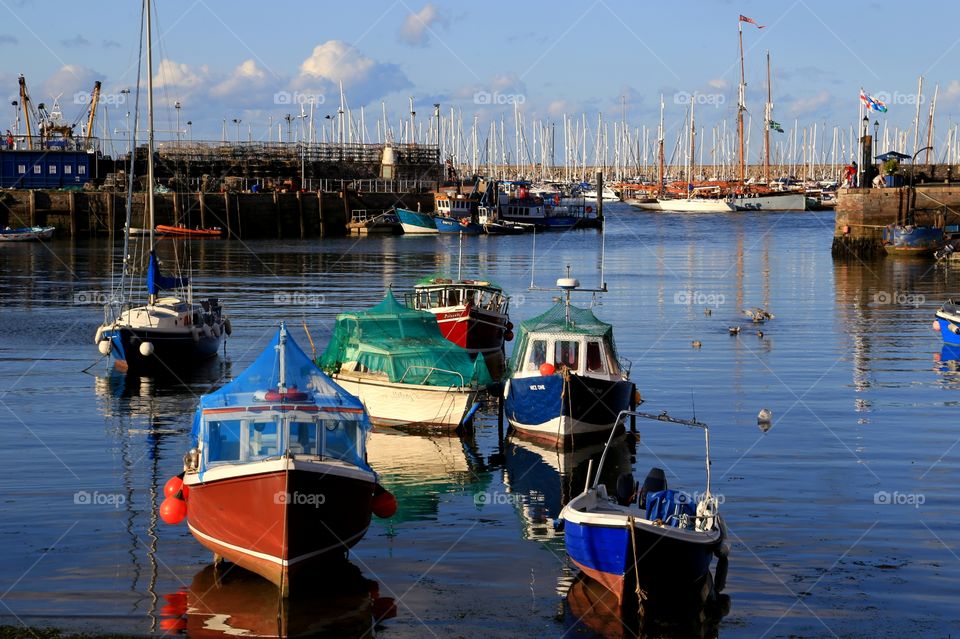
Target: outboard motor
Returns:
[655, 482]
[626, 489]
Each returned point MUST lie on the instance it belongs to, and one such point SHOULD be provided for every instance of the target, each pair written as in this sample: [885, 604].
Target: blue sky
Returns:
[226, 60]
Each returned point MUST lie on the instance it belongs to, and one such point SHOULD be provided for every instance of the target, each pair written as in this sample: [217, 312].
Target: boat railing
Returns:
[625, 366]
[658, 417]
[430, 371]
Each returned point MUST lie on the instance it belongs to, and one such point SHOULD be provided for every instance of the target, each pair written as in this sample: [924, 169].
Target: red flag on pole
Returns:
[744, 18]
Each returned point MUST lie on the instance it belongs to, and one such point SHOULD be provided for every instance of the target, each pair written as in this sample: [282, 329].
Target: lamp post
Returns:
[190, 130]
[436, 112]
[237, 121]
[340, 126]
[289, 119]
[176, 105]
[329, 118]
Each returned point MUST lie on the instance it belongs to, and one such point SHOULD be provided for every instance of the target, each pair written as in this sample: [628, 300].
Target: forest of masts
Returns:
[573, 147]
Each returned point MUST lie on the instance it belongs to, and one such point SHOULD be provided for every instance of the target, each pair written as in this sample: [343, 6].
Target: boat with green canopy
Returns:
[396, 360]
[566, 379]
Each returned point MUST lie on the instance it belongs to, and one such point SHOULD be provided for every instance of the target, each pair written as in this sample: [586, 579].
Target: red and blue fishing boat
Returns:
[277, 480]
[651, 537]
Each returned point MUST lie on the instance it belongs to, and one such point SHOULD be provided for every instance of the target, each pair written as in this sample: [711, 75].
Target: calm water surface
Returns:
[843, 514]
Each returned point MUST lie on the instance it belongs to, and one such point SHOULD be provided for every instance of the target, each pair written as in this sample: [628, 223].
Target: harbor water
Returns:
[841, 511]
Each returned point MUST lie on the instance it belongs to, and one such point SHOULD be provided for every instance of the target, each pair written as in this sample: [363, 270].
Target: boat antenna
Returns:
[603, 244]
[693, 404]
[460, 258]
[281, 351]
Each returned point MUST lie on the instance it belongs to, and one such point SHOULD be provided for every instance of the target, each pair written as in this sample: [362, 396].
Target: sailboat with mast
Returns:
[698, 200]
[169, 333]
[746, 199]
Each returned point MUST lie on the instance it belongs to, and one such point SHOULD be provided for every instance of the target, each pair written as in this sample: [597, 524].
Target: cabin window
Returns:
[537, 354]
[37, 169]
[303, 438]
[567, 353]
[81, 170]
[263, 440]
[470, 297]
[223, 440]
[21, 168]
[53, 169]
[595, 363]
[342, 438]
[67, 169]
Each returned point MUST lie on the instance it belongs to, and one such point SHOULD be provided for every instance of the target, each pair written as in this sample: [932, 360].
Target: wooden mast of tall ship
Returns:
[767, 119]
[741, 107]
[660, 169]
[693, 148]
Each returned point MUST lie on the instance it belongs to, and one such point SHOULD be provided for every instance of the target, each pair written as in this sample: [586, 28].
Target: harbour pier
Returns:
[242, 215]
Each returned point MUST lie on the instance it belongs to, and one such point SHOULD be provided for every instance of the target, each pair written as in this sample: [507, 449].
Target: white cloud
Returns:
[363, 78]
[178, 75]
[416, 27]
[245, 78]
[69, 80]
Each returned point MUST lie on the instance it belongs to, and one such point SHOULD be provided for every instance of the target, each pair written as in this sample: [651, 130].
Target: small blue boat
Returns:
[948, 322]
[649, 537]
[457, 225]
[909, 239]
[416, 222]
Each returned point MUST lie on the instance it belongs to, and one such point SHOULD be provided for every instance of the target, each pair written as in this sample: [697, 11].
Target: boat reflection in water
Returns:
[543, 478]
[947, 364]
[419, 468]
[226, 602]
[593, 610]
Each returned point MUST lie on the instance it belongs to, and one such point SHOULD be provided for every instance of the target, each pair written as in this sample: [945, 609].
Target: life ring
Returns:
[292, 395]
[589, 209]
[556, 200]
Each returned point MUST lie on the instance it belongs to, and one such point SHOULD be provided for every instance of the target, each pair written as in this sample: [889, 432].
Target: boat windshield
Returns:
[254, 436]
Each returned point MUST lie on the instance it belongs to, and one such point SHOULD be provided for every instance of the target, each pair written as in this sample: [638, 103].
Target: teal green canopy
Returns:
[402, 343]
[582, 322]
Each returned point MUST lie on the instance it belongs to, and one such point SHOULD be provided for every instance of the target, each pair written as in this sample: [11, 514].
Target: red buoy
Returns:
[173, 509]
[547, 369]
[384, 503]
[174, 485]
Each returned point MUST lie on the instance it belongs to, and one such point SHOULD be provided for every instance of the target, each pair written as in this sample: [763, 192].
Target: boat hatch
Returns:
[247, 435]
